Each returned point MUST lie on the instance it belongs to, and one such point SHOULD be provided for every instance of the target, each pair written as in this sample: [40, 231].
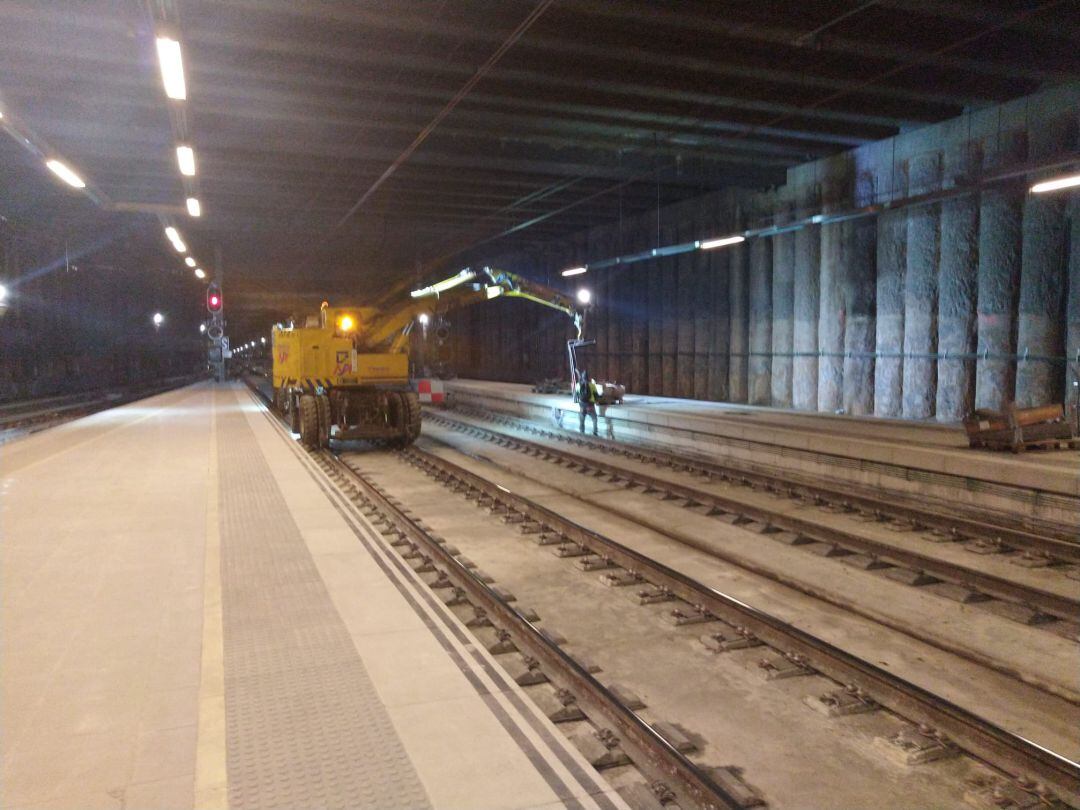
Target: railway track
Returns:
[936, 722]
[1034, 774]
[620, 729]
[1046, 541]
[1019, 601]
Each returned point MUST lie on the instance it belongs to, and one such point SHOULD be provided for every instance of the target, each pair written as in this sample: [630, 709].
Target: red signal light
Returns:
[213, 298]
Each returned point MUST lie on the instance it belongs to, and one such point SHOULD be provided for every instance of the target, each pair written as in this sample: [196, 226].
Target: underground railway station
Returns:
[539, 404]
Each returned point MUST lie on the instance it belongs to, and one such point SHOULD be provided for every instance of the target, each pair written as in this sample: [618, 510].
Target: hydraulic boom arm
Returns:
[462, 289]
[492, 283]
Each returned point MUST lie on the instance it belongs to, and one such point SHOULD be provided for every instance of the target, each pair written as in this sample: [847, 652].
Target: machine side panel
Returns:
[382, 368]
[286, 353]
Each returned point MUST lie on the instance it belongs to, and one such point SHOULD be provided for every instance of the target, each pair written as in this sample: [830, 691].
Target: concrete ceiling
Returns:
[599, 109]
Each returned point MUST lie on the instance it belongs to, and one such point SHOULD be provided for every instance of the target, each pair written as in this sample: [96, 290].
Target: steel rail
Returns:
[1047, 601]
[1062, 546]
[1006, 751]
[596, 698]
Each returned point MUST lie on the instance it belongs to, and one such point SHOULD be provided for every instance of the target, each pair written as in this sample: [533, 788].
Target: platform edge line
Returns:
[211, 770]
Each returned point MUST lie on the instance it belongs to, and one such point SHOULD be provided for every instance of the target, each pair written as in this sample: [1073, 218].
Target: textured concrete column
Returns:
[783, 311]
[760, 388]
[1072, 309]
[891, 269]
[740, 326]
[1040, 328]
[720, 356]
[1000, 217]
[804, 374]
[598, 244]
[704, 321]
[684, 315]
[921, 291]
[669, 327]
[655, 341]
[859, 280]
[638, 314]
[1041, 323]
[831, 315]
[958, 283]
[616, 302]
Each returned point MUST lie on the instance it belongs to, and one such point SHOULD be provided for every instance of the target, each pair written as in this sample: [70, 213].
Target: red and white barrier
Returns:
[430, 391]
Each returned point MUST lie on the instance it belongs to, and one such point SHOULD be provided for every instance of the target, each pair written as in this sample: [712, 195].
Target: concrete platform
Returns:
[192, 618]
[923, 459]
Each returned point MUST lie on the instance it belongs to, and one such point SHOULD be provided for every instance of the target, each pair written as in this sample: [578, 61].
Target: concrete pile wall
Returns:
[920, 309]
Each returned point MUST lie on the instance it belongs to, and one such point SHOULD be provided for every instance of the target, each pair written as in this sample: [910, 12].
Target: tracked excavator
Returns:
[344, 372]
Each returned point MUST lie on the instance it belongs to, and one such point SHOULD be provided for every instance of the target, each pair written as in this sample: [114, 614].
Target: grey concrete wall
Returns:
[832, 316]
[805, 287]
[739, 341]
[1001, 211]
[916, 304]
[921, 291]
[1072, 310]
[958, 286]
[859, 284]
[891, 269]
[1041, 323]
[760, 383]
[783, 313]
[717, 265]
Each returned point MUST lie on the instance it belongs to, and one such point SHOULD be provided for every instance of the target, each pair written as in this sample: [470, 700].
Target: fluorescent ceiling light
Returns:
[1054, 185]
[185, 156]
[193, 207]
[575, 271]
[174, 237]
[199, 273]
[190, 262]
[727, 240]
[65, 174]
[172, 68]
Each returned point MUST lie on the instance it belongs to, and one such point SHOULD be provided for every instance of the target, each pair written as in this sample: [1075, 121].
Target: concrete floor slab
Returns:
[103, 644]
[1030, 712]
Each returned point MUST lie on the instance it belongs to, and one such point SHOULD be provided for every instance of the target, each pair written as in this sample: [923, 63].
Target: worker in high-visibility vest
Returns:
[587, 395]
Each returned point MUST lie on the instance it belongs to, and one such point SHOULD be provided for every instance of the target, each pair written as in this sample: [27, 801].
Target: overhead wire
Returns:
[465, 89]
[695, 117]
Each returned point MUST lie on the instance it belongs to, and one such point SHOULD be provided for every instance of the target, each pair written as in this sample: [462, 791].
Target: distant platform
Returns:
[193, 617]
[917, 458]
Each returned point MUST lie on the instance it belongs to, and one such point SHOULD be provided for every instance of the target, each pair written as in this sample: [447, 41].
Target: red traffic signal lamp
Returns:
[213, 298]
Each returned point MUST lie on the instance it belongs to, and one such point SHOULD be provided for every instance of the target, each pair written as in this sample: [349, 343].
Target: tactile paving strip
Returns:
[304, 725]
